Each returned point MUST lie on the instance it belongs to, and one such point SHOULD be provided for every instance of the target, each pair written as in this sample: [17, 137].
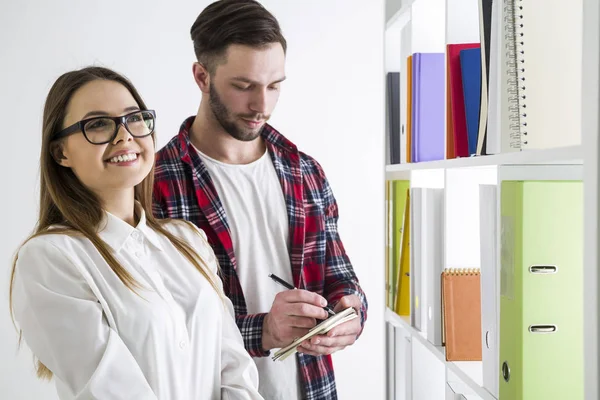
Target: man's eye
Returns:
[244, 88]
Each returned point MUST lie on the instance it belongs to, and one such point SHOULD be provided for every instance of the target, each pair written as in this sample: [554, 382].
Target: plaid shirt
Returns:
[183, 189]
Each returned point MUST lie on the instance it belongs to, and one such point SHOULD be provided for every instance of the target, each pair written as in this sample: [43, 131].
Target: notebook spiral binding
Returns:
[461, 271]
[512, 78]
[521, 68]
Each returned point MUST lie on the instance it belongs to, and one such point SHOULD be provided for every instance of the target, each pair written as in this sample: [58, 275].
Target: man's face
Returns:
[244, 90]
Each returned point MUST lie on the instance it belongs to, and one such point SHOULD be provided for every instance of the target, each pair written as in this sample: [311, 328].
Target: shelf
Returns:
[469, 372]
[560, 155]
[400, 17]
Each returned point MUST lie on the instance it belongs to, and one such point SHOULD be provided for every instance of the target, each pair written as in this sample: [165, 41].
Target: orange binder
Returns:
[461, 310]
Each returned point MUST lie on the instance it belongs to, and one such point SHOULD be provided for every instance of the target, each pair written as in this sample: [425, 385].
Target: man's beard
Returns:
[227, 120]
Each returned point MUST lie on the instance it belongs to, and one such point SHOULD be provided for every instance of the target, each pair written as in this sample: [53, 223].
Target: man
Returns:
[265, 206]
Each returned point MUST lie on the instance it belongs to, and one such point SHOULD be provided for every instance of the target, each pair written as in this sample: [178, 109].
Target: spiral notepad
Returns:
[543, 45]
[461, 314]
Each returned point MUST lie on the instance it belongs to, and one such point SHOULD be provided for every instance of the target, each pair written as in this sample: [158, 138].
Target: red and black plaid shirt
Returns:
[183, 189]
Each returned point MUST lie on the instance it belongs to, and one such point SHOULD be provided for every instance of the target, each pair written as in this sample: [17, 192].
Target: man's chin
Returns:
[246, 135]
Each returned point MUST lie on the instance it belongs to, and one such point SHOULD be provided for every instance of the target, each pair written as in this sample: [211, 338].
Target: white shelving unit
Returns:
[417, 369]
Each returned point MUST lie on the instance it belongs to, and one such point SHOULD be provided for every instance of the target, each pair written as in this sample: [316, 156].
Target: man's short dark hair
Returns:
[227, 22]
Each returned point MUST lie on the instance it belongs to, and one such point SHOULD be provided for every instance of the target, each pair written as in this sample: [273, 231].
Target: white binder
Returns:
[416, 271]
[432, 260]
[489, 295]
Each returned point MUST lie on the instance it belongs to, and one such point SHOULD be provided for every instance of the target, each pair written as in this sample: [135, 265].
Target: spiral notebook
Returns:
[461, 314]
[322, 328]
[541, 58]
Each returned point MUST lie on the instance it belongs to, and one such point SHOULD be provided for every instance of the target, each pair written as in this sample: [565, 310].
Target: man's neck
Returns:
[208, 136]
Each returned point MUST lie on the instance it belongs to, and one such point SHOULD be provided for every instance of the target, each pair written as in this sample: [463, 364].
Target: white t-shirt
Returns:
[256, 213]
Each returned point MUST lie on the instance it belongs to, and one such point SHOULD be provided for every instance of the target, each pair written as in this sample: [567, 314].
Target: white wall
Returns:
[332, 106]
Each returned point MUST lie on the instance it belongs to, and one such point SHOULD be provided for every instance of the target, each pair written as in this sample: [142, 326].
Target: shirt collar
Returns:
[115, 232]
[275, 141]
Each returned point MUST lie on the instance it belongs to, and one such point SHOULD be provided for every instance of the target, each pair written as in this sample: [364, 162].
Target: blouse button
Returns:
[182, 344]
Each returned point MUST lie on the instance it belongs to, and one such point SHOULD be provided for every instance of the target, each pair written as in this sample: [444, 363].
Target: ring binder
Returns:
[512, 78]
[521, 69]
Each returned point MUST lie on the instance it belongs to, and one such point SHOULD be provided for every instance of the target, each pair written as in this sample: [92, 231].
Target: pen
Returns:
[288, 286]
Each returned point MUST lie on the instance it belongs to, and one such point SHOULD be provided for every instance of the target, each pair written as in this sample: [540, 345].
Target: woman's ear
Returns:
[57, 151]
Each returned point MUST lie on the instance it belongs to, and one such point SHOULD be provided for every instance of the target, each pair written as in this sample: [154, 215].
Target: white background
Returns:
[331, 106]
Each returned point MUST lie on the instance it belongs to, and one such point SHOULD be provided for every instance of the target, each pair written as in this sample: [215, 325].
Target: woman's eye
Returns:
[97, 124]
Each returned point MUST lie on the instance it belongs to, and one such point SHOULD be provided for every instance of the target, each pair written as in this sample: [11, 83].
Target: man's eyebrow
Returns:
[250, 81]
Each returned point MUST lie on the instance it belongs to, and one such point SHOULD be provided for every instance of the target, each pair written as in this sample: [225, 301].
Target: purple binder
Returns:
[428, 104]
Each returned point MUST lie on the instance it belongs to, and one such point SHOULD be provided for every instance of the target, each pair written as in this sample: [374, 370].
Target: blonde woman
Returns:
[114, 303]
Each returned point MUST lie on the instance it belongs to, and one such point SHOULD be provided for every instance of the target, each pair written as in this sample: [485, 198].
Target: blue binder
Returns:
[470, 67]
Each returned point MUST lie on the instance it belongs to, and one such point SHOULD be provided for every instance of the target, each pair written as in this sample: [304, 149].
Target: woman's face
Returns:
[118, 165]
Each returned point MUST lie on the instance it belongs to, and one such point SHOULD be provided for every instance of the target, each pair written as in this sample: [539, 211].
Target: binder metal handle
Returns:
[543, 269]
[505, 371]
[542, 328]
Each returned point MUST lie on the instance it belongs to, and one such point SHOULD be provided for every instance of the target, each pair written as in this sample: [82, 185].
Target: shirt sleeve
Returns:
[239, 376]
[159, 205]
[63, 324]
[340, 278]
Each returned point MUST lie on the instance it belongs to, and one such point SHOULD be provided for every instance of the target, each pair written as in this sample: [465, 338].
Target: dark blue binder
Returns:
[470, 65]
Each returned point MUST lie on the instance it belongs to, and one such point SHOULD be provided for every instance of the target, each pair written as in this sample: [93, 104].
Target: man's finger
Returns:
[306, 310]
[319, 350]
[302, 322]
[347, 328]
[337, 341]
[303, 296]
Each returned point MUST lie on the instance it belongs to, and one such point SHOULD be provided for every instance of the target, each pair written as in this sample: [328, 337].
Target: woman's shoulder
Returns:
[55, 237]
[51, 249]
[185, 230]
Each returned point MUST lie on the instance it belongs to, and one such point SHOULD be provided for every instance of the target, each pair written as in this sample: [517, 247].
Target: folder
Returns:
[417, 298]
[402, 306]
[470, 64]
[432, 256]
[456, 109]
[489, 294]
[409, 90]
[428, 107]
[541, 281]
[400, 188]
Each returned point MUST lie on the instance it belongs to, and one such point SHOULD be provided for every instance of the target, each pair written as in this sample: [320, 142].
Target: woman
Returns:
[113, 303]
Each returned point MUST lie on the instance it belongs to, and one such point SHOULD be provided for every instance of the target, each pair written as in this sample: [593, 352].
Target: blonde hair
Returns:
[66, 202]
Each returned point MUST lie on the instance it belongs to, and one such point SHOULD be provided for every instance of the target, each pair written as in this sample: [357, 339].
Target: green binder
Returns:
[541, 284]
[399, 195]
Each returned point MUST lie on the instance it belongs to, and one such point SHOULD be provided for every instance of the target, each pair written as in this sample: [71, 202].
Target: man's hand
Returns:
[292, 315]
[339, 337]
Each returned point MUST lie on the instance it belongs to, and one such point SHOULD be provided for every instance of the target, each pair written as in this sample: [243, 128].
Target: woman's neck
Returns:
[121, 204]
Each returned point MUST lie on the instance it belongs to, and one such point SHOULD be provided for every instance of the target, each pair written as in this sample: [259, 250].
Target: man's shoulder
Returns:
[168, 160]
[308, 164]
[169, 151]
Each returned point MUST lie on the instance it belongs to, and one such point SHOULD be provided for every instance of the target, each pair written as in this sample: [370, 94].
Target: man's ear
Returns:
[201, 76]
[57, 152]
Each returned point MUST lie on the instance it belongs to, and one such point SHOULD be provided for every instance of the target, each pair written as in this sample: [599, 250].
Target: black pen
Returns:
[288, 286]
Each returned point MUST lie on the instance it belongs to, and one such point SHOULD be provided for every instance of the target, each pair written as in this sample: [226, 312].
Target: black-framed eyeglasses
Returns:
[101, 130]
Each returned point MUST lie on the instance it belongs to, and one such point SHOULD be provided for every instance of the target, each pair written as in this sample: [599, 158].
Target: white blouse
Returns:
[174, 340]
